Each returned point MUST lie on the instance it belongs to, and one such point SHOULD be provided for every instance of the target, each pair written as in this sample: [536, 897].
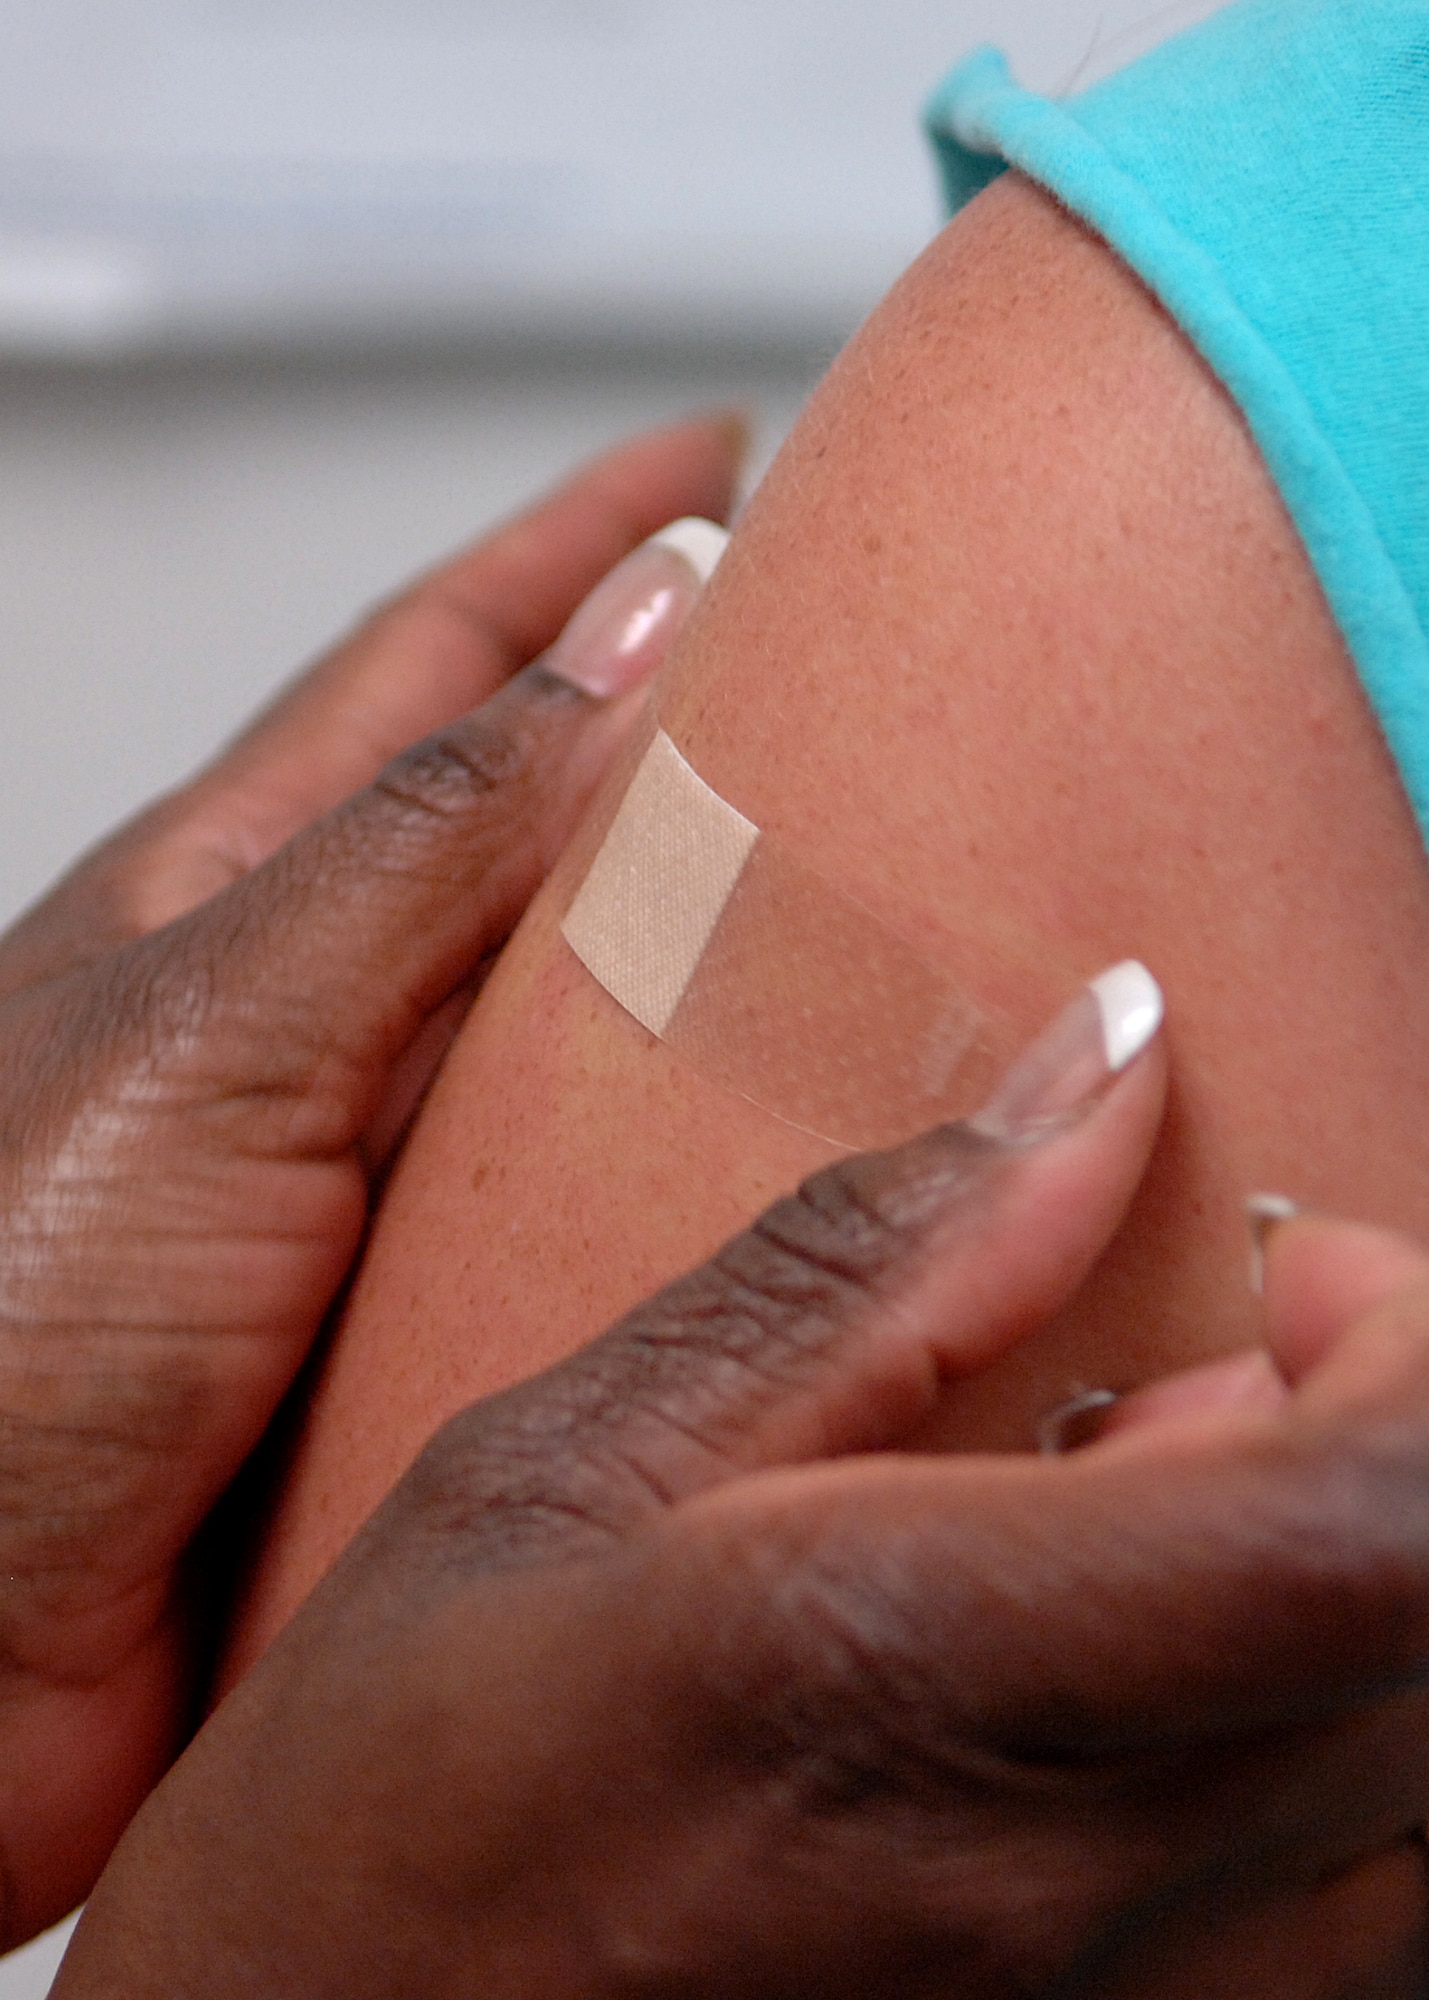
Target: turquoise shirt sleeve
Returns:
[1267, 175]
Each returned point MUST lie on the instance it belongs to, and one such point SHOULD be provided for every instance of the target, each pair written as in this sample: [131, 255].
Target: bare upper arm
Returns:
[1017, 619]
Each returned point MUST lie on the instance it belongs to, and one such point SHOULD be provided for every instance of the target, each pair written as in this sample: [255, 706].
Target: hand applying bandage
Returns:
[673, 1672]
[211, 1035]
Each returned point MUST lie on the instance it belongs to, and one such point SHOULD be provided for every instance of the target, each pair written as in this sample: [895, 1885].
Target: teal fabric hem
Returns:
[980, 122]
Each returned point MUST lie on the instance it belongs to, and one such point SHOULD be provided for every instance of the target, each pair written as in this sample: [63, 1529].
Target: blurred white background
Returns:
[174, 540]
[295, 295]
[196, 171]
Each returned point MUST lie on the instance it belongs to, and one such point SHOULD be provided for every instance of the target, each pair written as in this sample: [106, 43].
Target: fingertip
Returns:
[1240, 1383]
[1321, 1275]
[731, 424]
[735, 427]
[691, 466]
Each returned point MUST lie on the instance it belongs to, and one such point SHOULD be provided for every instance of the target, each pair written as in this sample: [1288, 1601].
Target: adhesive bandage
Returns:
[781, 987]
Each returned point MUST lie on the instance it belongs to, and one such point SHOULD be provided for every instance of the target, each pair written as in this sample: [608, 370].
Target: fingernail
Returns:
[624, 630]
[700, 542]
[1264, 1214]
[1093, 1040]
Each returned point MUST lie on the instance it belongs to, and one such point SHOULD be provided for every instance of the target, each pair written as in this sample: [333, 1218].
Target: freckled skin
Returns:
[1017, 622]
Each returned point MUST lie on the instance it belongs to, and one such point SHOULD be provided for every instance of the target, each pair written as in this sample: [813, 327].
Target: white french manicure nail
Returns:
[700, 542]
[1094, 1039]
[1132, 1009]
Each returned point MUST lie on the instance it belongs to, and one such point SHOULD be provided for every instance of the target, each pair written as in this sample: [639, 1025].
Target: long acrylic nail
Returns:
[1091, 1041]
[622, 633]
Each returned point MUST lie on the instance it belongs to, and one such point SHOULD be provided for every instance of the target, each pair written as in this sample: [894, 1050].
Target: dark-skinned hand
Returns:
[208, 1036]
[669, 1674]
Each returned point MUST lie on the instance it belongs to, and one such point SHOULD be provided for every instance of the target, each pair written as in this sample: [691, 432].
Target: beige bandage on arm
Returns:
[644, 916]
[776, 984]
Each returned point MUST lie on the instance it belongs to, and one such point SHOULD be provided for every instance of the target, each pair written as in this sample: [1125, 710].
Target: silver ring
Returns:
[1069, 1425]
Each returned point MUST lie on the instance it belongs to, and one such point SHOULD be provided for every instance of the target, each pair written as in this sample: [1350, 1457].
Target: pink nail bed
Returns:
[623, 632]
